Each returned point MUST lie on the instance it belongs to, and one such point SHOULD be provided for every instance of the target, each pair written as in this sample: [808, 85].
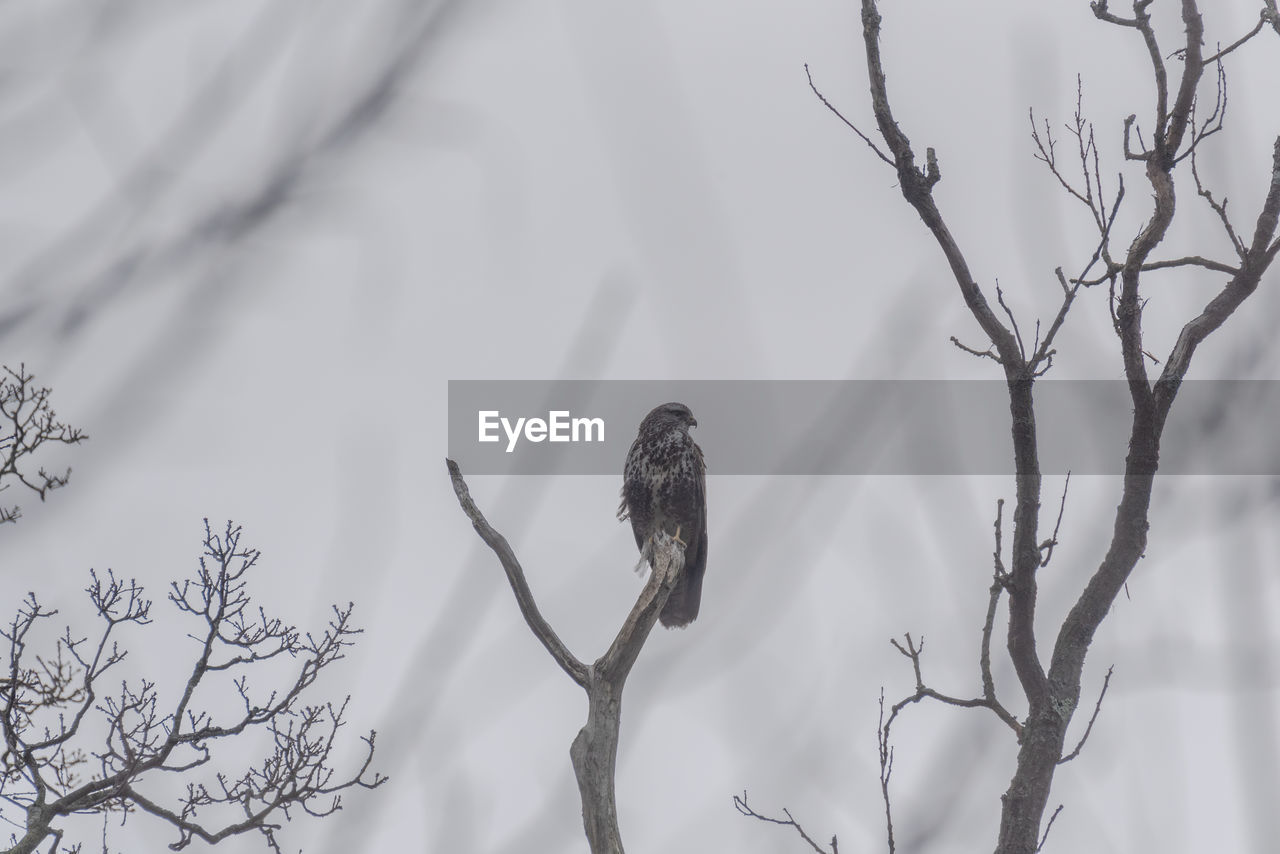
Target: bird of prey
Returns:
[664, 488]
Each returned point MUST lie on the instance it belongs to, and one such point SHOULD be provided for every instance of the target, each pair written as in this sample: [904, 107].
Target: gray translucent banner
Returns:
[858, 427]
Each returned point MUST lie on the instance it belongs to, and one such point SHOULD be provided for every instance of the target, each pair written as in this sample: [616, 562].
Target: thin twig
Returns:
[1044, 836]
[912, 651]
[1097, 708]
[839, 115]
[1013, 321]
[1048, 545]
[740, 802]
[886, 771]
[987, 353]
[1218, 208]
[1215, 121]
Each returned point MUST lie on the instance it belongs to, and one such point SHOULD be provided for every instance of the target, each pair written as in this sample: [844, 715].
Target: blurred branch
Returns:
[89, 265]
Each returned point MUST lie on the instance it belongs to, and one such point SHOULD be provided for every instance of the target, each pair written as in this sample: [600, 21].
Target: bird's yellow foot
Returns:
[677, 538]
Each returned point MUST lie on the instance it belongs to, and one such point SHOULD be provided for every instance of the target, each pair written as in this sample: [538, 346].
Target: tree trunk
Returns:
[595, 753]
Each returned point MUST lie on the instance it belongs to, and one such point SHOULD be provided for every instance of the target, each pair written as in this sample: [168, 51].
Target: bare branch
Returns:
[1048, 545]
[1129, 154]
[839, 115]
[1191, 261]
[1087, 155]
[740, 802]
[1100, 253]
[1097, 708]
[886, 772]
[912, 651]
[1013, 321]
[1217, 57]
[1047, 154]
[917, 186]
[515, 576]
[1099, 8]
[999, 579]
[1214, 122]
[1218, 208]
[1257, 257]
[1049, 826]
[987, 353]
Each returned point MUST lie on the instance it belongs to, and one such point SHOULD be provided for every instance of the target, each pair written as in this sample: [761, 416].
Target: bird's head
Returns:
[669, 415]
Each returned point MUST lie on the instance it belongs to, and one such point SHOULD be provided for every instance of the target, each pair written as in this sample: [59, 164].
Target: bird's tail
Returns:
[682, 605]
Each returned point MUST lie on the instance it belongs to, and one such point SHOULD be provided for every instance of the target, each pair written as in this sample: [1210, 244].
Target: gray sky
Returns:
[248, 244]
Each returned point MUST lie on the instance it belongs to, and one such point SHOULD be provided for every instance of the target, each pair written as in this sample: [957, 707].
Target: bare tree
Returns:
[1177, 125]
[72, 745]
[27, 422]
[594, 751]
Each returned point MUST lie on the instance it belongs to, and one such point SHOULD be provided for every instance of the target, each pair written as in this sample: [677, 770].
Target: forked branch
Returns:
[594, 751]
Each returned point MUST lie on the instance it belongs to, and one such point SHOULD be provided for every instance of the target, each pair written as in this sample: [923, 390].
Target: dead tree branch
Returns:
[1044, 837]
[1257, 28]
[886, 774]
[515, 577]
[1048, 545]
[740, 802]
[912, 651]
[832, 107]
[594, 751]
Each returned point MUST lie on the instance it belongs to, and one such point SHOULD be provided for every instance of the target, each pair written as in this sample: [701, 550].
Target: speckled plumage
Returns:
[664, 489]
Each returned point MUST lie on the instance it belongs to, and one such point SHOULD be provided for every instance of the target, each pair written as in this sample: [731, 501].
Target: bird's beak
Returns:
[693, 422]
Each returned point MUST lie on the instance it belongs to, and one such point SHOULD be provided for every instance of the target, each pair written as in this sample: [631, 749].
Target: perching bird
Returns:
[664, 488]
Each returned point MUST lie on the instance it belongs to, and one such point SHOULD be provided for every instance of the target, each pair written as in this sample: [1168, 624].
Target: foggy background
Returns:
[249, 243]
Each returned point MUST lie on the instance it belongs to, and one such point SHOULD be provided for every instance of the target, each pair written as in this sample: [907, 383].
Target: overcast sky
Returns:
[249, 243]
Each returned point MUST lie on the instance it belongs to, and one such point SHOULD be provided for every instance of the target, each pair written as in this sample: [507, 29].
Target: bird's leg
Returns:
[682, 543]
